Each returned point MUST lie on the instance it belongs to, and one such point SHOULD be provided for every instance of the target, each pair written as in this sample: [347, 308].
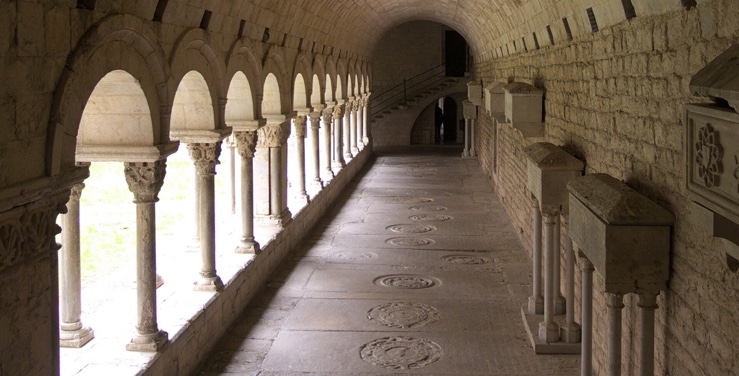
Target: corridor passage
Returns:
[417, 270]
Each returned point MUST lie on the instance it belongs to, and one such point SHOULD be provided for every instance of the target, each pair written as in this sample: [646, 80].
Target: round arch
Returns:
[276, 97]
[245, 71]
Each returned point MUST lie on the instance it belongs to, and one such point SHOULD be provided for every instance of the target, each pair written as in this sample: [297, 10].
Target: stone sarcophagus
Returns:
[548, 169]
[625, 235]
[524, 108]
[495, 101]
[474, 92]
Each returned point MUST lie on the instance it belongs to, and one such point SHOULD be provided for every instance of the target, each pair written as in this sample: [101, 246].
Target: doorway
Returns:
[450, 120]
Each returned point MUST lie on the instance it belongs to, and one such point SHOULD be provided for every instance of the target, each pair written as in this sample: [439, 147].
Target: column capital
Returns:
[315, 120]
[549, 214]
[273, 134]
[145, 179]
[299, 124]
[246, 143]
[350, 106]
[205, 156]
[338, 112]
[76, 192]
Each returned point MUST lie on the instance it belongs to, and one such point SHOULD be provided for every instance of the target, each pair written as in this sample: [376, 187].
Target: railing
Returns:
[400, 93]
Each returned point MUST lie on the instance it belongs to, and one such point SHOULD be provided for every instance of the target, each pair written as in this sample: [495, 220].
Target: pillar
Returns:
[314, 159]
[144, 180]
[338, 162]
[647, 304]
[570, 330]
[299, 124]
[360, 122]
[195, 238]
[73, 333]
[548, 329]
[365, 121]
[205, 157]
[328, 173]
[353, 129]
[231, 144]
[346, 131]
[466, 151]
[246, 144]
[472, 137]
[271, 155]
[536, 300]
[586, 346]
[615, 304]
[559, 300]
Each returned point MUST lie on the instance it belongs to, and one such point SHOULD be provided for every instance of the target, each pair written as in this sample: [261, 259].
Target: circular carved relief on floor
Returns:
[428, 208]
[430, 217]
[466, 260]
[355, 255]
[406, 282]
[411, 229]
[410, 242]
[401, 353]
[403, 315]
[411, 200]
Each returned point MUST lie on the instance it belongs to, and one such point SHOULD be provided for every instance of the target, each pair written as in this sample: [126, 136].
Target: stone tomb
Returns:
[523, 108]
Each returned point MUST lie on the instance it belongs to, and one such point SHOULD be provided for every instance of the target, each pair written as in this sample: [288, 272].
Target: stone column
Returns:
[231, 144]
[360, 122]
[548, 329]
[144, 180]
[472, 137]
[299, 124]
[205, 156]
[314, 161]
[73, 333]
[326, 147]
[346, 131]
[536, 300]
[615, 304]
[466, 151]
[246, 143]
[195, 238]
[271, 145]
[559, 300]
[353, 129]
[571, 330]
[337, 117]
[365, 121]
[586, 347]
[647, 304]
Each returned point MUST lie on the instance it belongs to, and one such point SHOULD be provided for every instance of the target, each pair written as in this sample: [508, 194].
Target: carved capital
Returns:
[205, 156]
[76, 192]
[273, 135]
[338, 112]
[246, 143]
[327, 114]
[145, 179]
[315, 120]
[299, 124]
[349, 107]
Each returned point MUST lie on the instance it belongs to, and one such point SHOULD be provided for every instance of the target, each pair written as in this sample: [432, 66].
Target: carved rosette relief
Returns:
[145, 179]
[708, 156]
[205, 156]
[28, 231]
[273, 135]
[401, 353]
[299, 124]
[246, 143]
[403, 315]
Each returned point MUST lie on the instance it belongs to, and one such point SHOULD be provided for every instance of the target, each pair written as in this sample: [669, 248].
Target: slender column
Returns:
[647, 304]
[365, 121]
[353, 129]
[271, 140]
[246, 142]
[231, 144]
[548, 329]
[536, 300]
[299, 125]
[73, 333]
[339, 162]
[472, 137]
[328, 173]
[346, 131]
[466, 151]
[586, 346]
[314, 125]
[360, 122]
[195, 239]
[559, 300]
[571, 330]
[144, 180]
[615, 304]
[205, 156]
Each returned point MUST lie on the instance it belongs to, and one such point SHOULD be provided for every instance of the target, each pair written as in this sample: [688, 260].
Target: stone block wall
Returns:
[615, 99]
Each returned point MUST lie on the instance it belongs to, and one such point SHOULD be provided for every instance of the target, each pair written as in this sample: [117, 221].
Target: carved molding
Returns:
[708, 154]
[205, 156]
[273, 135]
[299, 124]
[145, 179]
[246, 143]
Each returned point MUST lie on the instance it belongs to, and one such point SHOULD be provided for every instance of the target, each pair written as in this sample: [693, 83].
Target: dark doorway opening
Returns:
[450, 120]
[455, 54]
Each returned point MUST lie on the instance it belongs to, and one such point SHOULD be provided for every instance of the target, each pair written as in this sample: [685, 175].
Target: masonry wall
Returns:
[616, 100]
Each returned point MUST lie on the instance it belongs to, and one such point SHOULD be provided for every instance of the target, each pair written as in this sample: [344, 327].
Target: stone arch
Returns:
[119, 42]
[197, 83]
[330, 84]
[302, 83]
[318, 94]
[341, 79]
[244, 95]
[276, 97]
[351, 83]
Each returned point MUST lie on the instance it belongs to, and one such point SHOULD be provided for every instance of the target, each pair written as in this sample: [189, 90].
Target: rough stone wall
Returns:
[616, 100]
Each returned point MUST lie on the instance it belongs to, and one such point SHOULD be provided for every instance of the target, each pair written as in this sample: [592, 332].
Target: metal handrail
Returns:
[400, 93]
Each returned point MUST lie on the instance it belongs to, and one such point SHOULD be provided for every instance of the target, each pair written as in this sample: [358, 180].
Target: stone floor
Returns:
[416, 271]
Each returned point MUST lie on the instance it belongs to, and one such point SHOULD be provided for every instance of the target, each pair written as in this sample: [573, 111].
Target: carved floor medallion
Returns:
[430, 217]
[401, 353]
[428, 208]
[410, 242]
[411, 229]
[466, 260]
[355, 255]
[403, 315]
[411, 200]
[406, 282]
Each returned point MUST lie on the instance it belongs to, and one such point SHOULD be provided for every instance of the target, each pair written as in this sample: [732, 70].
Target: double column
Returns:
[353, 129]
[246, 144]
[314, 158]
[347, 131]
[327, 145]
[270, 167]
[365, 120]
[299, 127]
[145, 180]
[337, 124]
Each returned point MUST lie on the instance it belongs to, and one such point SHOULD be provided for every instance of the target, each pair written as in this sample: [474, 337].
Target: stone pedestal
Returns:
[246, 142]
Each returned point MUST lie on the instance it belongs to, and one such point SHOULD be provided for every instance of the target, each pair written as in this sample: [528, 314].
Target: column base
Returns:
[570, 333]
[316, 184]
[549, 332]
[329, 175]
[303, 198]
[148, 342]
[536, 305]
[208, 284]
[355, 151]
[274, 221]
[540, 346]
[366, 140]
[249, 247]
[560, 305]
[75, 338]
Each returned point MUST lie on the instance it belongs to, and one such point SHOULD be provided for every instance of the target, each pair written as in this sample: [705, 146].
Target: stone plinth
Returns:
[523, 108]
